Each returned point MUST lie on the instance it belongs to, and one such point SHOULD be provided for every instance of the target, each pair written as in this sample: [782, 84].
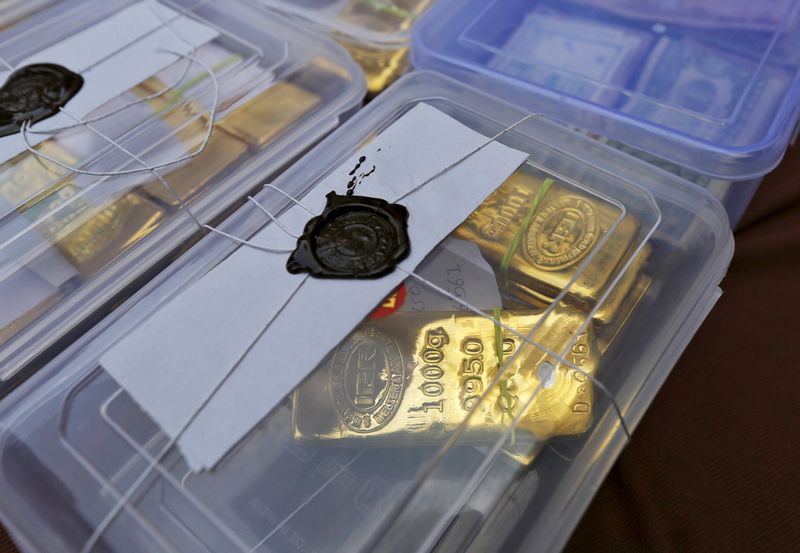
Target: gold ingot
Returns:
[91, 236]
[257, 122]
[261, 119]
[566, 227]
[381, 66]
[193, 176]
[27, 179]
[413, 378]
[606, 334]
[384, 16]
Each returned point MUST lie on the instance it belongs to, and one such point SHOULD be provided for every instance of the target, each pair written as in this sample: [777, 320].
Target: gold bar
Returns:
[26, 179]
[92, 235]
[606, 334]
[411, 379]
[191, 177]
[263, 118]
[385, 16]
[382, 66]
[259, 121]
[565, 229]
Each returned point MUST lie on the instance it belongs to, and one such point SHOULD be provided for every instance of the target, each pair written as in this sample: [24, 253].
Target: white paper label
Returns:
[113, 56]
[458, 267]
[172, 362]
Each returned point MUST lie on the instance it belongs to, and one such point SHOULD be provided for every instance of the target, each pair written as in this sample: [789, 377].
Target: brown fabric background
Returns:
[714, 465]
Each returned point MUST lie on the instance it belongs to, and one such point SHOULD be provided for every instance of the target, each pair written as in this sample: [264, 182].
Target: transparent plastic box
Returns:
[14, 11]
[73, 245]
[377, 33]
[530, 445]
[708, 90]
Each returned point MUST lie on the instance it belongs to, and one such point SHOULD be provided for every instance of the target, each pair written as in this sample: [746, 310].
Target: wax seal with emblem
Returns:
[354, 237]
[35, 92]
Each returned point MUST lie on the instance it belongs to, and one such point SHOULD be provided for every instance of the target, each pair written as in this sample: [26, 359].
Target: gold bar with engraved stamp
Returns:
[537, 244]
[410, 379]
[88, 233]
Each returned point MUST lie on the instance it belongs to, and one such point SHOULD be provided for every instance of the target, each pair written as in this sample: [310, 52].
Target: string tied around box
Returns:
[156, 459]
[153, 169]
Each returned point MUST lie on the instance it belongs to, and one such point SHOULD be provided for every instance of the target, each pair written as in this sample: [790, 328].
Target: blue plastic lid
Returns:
[709, 84]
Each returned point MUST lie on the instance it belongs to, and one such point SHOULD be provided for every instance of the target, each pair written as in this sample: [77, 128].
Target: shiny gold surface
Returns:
[102, 234]
[26, 179]
[193, 176]
[608, 332]
[381, 66]
[270, 113]
[411, 379]
[256, 123]
[386, 16]
[564, 231]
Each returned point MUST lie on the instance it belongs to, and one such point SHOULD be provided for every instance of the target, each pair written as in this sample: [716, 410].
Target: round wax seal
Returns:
[355, 237]
[35, 92]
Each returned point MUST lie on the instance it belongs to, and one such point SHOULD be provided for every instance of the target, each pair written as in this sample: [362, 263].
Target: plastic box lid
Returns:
[378, 23]
[13, 11]
[72, 441]
[712, 86]
[71, 245]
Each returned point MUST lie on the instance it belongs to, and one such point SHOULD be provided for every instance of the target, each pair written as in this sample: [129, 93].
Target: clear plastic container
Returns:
[377, 33]
[73, 245]
[14, 11]
[604, 325]
[705, 89]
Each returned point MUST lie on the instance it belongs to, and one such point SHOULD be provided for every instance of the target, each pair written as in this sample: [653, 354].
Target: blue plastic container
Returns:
[705, 89]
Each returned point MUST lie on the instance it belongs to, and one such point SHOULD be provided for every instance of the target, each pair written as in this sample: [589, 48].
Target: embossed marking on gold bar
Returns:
[412, 378]
[567, 227]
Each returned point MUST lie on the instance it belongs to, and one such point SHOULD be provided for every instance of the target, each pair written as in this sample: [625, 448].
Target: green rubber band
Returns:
[514, 246]
[504, 392]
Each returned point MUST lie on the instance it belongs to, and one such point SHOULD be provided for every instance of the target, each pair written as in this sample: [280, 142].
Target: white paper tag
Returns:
[172, 362]
[122, 60]
[458, 267]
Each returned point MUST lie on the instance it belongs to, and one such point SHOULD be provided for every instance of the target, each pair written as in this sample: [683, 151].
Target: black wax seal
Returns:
[35, 92]
[355, 237]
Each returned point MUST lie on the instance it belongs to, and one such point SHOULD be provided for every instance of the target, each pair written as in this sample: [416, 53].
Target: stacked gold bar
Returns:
[381, 65]
[414, 378]
[92, 233]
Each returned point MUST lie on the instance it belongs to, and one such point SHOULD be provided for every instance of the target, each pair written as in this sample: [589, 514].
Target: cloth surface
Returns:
[713, 466]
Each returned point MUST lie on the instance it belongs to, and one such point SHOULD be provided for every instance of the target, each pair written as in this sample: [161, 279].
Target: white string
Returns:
[197, 152]
[292, 198]
[156, 460]
[244, 242]
[140, 161]
[272, 217]
[131, 104]
[308, 500]
[165, 23]
[525, 338]
[411, 191]
[126, 498]
[466, 157]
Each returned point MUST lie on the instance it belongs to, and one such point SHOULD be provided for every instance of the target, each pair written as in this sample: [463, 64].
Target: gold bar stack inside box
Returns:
[86, 235]
[413, 378]
[382, 66]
